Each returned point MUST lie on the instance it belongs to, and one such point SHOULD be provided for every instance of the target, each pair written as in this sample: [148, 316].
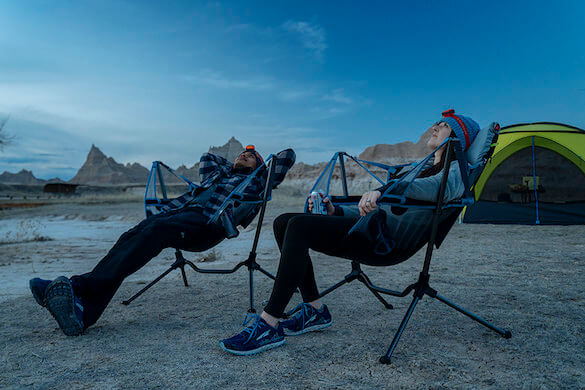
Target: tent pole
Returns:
[534, 181]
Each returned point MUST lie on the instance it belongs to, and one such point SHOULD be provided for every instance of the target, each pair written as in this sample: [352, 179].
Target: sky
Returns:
[165, 80]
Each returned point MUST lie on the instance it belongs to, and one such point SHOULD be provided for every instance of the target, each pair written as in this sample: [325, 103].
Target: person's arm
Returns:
[336, 210]
[426, 188]
[211, 163]
[347, 211]
[283, 161]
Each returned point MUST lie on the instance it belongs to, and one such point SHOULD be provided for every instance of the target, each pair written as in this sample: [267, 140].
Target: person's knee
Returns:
[281, 222]
[153, 229]
[299, 227]
[299, 222]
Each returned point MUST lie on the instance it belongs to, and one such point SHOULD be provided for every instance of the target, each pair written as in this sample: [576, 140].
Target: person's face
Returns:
[441, 131]
[245, 160]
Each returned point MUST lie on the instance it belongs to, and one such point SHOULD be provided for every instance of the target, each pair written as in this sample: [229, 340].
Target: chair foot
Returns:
[387, 305]
[362, 277]
[502, 332]
[184, 276]
[385, 360]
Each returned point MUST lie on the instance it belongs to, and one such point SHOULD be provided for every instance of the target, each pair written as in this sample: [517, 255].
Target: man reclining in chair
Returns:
[297, 233]
[78, 302]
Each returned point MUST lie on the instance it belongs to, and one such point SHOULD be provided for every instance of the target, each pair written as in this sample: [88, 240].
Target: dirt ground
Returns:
[530, 280]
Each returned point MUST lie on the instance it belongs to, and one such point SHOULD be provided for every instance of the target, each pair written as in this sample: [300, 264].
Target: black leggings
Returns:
[185, 228]
[295, 235]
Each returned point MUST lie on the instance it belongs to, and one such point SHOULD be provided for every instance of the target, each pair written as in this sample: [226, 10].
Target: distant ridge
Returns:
[22, 177]
[400, 152]
[99, 169]
[229, 151]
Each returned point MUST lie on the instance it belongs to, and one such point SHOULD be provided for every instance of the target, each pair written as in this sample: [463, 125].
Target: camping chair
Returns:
[237, 209]
[471, 164]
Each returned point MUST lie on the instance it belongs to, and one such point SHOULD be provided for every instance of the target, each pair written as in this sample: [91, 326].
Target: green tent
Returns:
[535, 176]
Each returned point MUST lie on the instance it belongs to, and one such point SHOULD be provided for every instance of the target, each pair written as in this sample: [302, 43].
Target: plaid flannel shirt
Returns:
[215, 169]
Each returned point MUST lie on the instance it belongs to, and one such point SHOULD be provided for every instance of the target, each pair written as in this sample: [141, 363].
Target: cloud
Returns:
[294, 95]
[46, 150]
[338, 96]
[74, 107]
[216, 79]
[312, 36]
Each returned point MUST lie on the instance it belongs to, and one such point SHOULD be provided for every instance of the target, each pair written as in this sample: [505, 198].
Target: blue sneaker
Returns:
[257, 337]
[38, 287]
[66, 308]
[306, 319]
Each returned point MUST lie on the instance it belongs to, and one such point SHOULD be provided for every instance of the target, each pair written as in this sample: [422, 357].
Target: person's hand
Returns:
[367, 203]
[328, 205]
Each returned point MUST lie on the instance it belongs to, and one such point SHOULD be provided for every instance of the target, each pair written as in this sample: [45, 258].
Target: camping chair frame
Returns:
[181, 262]
[421, 287]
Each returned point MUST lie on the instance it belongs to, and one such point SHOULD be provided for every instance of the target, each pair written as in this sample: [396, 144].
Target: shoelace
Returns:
[251, 329]
[304, 308]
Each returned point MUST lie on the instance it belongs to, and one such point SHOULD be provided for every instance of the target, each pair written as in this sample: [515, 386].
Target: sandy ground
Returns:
[528, 279]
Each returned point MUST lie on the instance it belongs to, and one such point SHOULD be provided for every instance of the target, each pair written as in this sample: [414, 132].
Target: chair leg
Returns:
[259, 268]
[184, 276]
[366, 281]
[251, 272]
[149, 285]
[502, 332]
[386, 358]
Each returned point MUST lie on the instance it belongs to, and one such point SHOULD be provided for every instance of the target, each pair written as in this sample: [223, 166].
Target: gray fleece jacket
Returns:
[407, 228]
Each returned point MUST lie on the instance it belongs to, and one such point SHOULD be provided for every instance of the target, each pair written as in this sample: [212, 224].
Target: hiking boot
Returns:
[257, 337]
[306, 319]
[66, 308]
[37, 288]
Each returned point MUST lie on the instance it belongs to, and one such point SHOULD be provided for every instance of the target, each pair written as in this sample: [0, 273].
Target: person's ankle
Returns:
[270, 319]
[317, 305]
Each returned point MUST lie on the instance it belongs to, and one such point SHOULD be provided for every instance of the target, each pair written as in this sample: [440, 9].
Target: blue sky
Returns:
[146, 80]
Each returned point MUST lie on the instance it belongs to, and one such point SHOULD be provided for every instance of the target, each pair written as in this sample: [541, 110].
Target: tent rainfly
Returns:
[535, 176]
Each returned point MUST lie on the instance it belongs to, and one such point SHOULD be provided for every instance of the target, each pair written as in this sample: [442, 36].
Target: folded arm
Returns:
[212, 163]
[425, 189]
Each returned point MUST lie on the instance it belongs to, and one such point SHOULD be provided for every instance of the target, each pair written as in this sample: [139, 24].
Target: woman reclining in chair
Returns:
[78, 302]
[297, 233]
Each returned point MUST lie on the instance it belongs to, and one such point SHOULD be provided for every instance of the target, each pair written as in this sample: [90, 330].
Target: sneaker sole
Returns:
[253, 351]
[59, 300]
[308, 329]
[37, 293]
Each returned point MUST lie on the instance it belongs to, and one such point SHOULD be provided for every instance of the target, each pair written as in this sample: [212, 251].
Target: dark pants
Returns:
[295, 235]
[185, 228]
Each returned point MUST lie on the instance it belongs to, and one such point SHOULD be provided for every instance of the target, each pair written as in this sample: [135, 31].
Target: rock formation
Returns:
[402, 152]
[398, 153]
[22, 177]
[99, 169]
[229, 151]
